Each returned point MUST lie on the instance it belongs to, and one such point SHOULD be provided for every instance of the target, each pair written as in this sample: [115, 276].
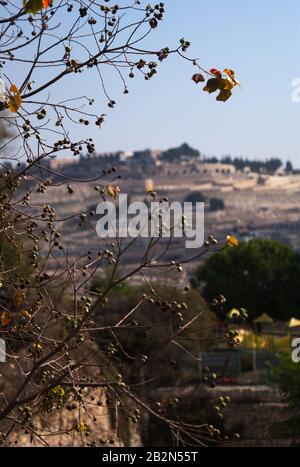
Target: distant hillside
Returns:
[149, 162]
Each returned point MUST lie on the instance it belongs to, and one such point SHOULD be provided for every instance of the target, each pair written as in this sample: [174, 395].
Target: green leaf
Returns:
[33, 6]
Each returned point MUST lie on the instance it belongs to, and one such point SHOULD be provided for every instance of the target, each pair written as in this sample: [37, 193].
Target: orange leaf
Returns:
[5, 318]
[14, 89]
[231, 75]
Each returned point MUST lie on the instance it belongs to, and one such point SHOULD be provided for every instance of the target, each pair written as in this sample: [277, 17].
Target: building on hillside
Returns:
[147, 156]
[280, 172]
[59, 163]
[216, 168]
[106, 155]
[125, 156]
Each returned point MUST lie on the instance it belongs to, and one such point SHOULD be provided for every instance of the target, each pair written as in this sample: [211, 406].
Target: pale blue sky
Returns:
[260, 40]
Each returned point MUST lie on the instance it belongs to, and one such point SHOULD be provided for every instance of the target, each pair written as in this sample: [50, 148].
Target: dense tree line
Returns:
[261, 275]
[268, 166]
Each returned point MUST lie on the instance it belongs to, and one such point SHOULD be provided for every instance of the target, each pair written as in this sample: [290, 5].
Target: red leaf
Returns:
[216, 72]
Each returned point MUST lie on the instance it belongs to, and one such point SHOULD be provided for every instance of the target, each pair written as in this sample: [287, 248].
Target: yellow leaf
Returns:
[25, 314]
[18, 299]
[14, 101]
[149, 185]
[81, 427]
[37, 347]
[112, 190]
[226, 84]
[233, 314]
[57, 391]
[232, 241]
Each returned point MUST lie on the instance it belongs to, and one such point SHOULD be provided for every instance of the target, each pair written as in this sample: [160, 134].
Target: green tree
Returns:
[260, 275]
[286, 377]
[289, 166]
[216, 204]
[195, 197]
[273, 164]
[175, 154]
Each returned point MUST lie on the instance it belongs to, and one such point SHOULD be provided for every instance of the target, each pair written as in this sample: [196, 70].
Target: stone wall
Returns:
[254, 412]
